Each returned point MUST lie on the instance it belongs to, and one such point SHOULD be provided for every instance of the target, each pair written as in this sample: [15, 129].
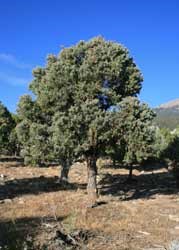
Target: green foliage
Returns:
[72, 96]
[80, 73]
[171, 153]
[138, 132]
[39, 144]
[167, 148]
[7, 124]
[171, 150]
[22, 130]
[175, 132]
[135, 131]
[14, 144]
[163, 137]
[33, 132]
[72, 116]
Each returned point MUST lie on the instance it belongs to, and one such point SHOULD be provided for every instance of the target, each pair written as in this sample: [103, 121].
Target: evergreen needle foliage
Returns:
[7, 125]
[85, 102]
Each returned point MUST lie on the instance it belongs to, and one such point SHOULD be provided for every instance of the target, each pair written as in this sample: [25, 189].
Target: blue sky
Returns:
[30, 30]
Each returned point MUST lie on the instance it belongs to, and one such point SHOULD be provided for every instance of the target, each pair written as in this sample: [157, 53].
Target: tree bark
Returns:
[130, 173]
[92, 183]
[175, 170]
[65, 168]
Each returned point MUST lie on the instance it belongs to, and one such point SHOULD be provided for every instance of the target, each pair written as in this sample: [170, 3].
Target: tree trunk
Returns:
[175, 169]
[114, 163]
[92, 184]
[130, 173]
[65, 168]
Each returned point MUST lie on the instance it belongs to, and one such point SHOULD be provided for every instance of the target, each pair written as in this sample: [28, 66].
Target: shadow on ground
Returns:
[142, 186]
[19, 234]
[14, 188]
[42, 233]
[146, 166]
[11, 159]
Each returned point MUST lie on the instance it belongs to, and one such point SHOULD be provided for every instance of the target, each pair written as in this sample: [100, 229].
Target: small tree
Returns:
[33, 132]
[134, 131]
[7, 124]
[134, 136]
[15, 144]
[172, 153]
[162, 138]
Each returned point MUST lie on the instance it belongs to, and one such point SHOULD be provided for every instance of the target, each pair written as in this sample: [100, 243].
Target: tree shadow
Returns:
[18, 187]
[19, 234]
[11, 159]
[149, 165]
[142, 186]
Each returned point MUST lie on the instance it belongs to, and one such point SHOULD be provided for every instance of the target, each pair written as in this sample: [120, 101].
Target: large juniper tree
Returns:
[75, 93]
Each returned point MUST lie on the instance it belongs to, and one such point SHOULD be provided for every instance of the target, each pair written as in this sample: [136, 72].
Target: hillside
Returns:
[168, 114]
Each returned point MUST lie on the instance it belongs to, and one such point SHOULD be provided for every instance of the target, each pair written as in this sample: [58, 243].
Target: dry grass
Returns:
[123, 220]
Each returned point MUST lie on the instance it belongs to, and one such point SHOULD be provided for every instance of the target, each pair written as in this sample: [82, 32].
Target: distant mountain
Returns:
[168, 114]
[174, 104]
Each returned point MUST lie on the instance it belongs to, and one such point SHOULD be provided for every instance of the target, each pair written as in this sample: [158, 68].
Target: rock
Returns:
[2, 176]
[58, 181]
[174, 245]
[5, 201]
[155, 247]
[2, 179]
[142, 232]
[14, 181]
[21, 201]
[173, 218]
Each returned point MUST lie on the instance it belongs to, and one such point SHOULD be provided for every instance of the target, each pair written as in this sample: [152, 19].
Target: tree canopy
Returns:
[73, 115]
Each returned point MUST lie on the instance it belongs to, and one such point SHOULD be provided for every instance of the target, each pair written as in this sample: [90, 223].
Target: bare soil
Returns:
[142, 214]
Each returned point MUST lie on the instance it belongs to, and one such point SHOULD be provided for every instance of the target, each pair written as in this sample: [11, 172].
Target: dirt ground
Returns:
[143, 214]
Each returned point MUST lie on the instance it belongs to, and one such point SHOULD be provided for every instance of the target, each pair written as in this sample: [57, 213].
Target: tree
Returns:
[81, 84]
[7, 124]
[171, 153]
[137, 130]
[162, 139]
[15, 144]
[33, 132]
[134, 136]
